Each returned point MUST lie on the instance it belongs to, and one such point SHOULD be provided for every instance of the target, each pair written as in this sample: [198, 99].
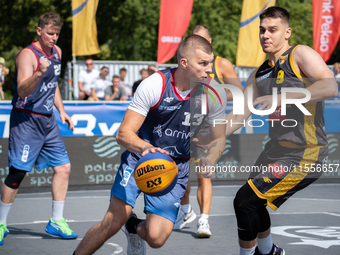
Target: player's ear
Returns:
[184, 63]
[39, 29]
[210, 39]
[288, 33]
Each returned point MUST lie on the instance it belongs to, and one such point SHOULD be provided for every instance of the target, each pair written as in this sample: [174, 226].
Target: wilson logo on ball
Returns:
[148, 169]
[156, 174]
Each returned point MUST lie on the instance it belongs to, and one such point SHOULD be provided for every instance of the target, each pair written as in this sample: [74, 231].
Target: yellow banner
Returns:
[249, 50]
[84, 27]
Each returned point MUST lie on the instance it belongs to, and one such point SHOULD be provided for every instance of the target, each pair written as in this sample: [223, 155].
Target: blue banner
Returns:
[98, 119]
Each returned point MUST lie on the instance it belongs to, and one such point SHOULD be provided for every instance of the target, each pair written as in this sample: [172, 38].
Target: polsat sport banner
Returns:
[249, 50]
[174, 20]
[326, 26]
[84, 27]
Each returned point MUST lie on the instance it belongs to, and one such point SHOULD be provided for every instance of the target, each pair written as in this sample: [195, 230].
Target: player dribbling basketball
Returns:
[160, 113]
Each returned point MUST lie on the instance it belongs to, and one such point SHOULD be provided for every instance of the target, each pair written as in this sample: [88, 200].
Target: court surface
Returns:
[308, 223]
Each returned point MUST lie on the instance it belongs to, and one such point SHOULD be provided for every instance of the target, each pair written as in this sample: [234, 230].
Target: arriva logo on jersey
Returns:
[178, 134]
[168, 99]
[49, 103]
[49, 85]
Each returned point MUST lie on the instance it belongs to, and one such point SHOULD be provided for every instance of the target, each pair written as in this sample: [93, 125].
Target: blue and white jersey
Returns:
[42, 99]
[171, 120]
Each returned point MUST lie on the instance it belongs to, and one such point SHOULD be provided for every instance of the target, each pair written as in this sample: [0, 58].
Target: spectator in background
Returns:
[115, 92]
[336, 71]
[124, 82]
[152, 69]
[99, 84]
[85, 79]
[3, 74]
[2, 77]
[144, 74]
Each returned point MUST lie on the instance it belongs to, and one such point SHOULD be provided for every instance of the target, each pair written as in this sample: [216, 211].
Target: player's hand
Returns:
[44, 63]
[206, 169]
[65, 118]
[266, 102]
[153, 150]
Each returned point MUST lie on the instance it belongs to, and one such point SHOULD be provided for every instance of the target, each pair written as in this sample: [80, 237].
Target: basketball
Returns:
[156, 174]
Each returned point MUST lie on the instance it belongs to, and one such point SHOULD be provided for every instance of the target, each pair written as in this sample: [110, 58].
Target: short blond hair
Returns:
[192, 43]
[50, 18]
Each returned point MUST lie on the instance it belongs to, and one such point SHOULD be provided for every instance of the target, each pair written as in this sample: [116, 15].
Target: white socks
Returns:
[186, 208]
[250, 251]
[57, 210]
[4, 210]
[204, 216]
[265, 245]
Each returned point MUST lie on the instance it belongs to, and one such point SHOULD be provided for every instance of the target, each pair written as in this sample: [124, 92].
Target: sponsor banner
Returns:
[84, 27]
[174, 20]
[105, 119]
[88, 119]
[95, 160]
[326, 26]
[249, 50]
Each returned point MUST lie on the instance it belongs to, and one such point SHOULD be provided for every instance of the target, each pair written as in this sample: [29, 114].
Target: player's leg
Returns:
[114, 219]
[155, 230]
[186, 214]
[25, 143]
[253, 220]
[9, 191]
[204, 196]
[53, 153]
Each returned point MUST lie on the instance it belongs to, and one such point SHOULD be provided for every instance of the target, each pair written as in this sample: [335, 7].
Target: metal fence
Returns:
[70, 91]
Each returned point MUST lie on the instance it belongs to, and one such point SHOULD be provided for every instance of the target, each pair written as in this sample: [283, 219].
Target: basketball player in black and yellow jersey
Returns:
[294, 151]
[223, 72]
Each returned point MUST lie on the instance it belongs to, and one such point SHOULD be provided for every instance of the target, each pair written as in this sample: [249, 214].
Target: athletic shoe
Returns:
[3, 232]
[203, 228]
[136, 245]
[60, 228]
[184, 218]
[276, 250]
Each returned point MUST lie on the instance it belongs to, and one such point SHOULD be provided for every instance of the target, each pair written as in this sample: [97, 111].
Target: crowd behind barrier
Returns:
[70, 90]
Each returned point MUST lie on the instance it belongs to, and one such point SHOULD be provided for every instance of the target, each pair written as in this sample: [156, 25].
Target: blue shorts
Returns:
[35, 139]
[125, 188]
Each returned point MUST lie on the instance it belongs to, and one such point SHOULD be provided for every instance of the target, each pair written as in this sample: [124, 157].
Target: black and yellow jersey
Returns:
[294, 129]
[215, 73]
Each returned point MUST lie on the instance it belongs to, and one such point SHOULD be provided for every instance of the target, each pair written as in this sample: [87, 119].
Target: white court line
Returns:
[118, 250]
[211, 215]
[279, 213]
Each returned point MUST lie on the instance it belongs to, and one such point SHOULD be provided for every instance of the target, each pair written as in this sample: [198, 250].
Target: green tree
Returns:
[128, 29]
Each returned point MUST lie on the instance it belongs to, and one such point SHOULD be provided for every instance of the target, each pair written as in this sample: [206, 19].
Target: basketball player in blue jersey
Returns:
[34, 134]
[293, 149]
[159, 118]
[223, 72]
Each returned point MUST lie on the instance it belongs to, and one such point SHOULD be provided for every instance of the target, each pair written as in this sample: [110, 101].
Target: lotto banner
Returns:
[326, 26]
[84, 27]
[174, 20]
[249, 50]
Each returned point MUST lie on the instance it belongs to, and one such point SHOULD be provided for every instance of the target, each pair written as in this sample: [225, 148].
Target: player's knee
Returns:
[14, 178]
[203, 181]
[155, 242]
[63, 169]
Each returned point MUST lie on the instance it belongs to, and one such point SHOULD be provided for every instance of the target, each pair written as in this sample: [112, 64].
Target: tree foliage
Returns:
[128, 29]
